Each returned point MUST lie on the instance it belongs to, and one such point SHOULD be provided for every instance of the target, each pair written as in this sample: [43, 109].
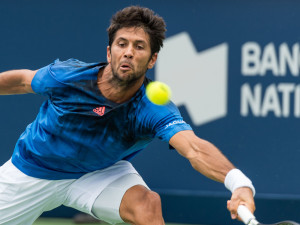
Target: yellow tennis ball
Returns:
[158, 92]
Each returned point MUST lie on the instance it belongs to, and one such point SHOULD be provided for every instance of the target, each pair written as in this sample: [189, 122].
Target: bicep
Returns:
[16, 82]
[27, 76]
[185, 142]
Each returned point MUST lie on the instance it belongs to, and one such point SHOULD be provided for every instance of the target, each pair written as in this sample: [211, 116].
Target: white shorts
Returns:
[23, 198]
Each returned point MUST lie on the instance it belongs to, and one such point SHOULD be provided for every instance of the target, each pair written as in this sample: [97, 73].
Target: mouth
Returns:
[125, 66]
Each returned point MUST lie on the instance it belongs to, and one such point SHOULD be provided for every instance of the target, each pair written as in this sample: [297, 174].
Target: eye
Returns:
[121, 44]
[140, 47]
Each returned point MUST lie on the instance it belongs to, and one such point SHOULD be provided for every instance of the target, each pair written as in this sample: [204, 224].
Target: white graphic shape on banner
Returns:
[198, 79]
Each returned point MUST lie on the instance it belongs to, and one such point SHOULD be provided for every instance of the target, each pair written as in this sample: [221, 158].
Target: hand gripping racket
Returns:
[249, 219]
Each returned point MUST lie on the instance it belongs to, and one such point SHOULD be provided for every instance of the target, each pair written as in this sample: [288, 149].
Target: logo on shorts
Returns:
[99, 110]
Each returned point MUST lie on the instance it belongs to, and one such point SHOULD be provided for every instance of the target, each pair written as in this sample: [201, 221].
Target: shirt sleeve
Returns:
[170, 124]
[163, 121]
[44, 81]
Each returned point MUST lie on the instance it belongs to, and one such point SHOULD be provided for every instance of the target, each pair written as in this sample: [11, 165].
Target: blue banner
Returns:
[233, 67]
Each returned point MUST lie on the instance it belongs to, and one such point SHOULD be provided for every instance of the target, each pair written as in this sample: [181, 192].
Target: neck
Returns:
[113, 90]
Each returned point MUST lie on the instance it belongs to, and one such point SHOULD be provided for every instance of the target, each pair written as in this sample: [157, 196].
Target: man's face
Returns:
[130, 55]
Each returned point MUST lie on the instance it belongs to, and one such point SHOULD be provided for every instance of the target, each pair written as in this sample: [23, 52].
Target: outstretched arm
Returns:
[16, 82]
[208, 160]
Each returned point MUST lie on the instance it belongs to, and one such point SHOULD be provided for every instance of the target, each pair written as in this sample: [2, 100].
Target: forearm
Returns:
[203, 155]
[208, 160]
[213, 164]
[16, 82]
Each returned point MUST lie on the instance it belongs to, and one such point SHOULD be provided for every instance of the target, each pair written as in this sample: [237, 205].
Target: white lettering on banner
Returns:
[257, 62]
[278, 99]
[174, 122]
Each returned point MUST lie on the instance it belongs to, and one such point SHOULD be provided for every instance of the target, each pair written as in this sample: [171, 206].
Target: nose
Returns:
[129, 52]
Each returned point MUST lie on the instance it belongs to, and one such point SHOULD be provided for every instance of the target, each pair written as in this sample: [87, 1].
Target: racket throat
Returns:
[253, 221]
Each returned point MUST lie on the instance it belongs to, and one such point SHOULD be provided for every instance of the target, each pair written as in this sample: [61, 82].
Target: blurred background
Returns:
[233, 67]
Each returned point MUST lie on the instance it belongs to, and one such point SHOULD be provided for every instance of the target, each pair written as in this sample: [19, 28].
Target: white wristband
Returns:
[236, 179]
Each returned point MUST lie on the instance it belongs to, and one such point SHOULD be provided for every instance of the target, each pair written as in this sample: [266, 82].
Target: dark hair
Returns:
[135, 16]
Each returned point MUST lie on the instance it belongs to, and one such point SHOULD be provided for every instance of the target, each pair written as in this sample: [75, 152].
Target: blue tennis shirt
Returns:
[78, 130]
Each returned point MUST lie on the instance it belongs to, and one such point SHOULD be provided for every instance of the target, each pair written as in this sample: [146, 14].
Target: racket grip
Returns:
[245, 214]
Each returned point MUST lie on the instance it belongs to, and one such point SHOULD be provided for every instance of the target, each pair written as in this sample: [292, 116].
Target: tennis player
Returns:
[95, 119]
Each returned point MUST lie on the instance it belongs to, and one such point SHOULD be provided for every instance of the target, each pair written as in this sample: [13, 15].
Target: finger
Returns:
[232, 213]
[233, 208]
[228, 205]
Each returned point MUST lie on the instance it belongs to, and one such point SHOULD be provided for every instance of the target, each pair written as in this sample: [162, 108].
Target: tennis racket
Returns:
[249, 219]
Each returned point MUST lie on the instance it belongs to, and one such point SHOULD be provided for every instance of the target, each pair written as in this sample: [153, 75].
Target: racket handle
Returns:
[246, 216]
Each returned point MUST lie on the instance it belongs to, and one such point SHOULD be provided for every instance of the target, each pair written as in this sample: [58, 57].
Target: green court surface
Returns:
[43, 221]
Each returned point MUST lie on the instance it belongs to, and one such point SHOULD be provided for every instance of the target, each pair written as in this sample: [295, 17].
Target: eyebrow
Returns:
[137, 41]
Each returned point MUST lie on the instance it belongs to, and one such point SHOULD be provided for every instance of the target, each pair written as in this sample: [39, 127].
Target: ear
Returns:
[152, 60]
[108, 54]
